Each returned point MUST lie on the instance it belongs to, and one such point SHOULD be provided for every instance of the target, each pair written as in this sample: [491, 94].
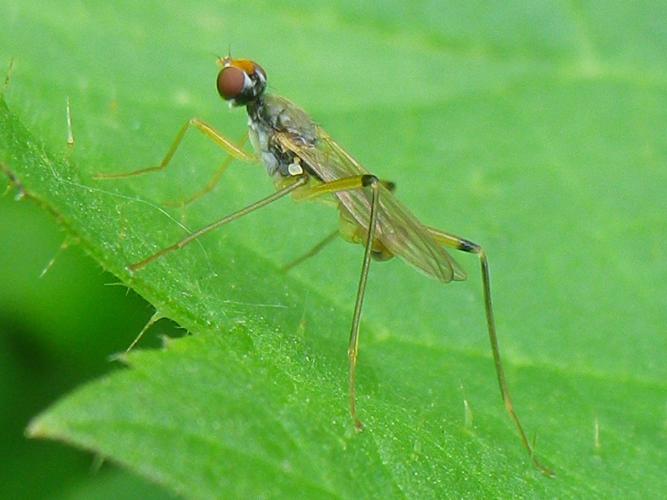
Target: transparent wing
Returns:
[397, 228]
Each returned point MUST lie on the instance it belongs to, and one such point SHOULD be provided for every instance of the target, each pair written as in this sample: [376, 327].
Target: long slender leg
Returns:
[353, 347]
[313, 251]
[346, 184]
[213, 181]
[470, 247]
[214, 225]
[318, 247]
[8, 77]
[231, 148]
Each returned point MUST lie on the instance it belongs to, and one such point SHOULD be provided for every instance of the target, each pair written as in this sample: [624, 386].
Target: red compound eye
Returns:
[231, 82]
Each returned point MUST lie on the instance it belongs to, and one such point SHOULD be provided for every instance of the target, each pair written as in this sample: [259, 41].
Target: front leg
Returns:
[232, 149]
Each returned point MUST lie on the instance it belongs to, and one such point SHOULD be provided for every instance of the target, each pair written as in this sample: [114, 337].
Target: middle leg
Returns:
[345, 184]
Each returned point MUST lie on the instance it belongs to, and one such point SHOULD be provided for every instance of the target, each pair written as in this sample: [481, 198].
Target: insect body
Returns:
[306, 163]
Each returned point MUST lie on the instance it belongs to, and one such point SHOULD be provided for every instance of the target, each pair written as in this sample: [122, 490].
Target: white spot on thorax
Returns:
[294, 168]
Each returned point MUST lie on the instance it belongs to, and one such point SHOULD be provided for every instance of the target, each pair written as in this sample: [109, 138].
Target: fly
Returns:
[305, 162]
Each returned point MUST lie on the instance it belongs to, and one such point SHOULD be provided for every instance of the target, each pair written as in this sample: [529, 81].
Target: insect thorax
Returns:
[270, 115]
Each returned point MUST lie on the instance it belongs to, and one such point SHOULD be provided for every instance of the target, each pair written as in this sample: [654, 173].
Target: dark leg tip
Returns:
[368, 180]
[358, 425]
[468, 246]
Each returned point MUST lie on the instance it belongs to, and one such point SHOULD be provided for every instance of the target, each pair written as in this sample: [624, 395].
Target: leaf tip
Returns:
[166, 341]
[120, 357]
[36, 428]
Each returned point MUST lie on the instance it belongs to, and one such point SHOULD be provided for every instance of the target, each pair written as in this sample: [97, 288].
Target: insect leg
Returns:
[214, 225]
[8, 77]
[346, 184]
[313, 251]
[213, 181]
[232, 149]
[343, 184]
[464, 245]
[317, 248]
[353, 347]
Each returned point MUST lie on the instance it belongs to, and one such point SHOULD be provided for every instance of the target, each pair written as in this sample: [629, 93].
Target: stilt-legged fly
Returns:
[307, 163]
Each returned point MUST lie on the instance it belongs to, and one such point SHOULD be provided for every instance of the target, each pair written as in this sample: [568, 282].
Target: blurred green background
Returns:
[537, 129]
[57, 331]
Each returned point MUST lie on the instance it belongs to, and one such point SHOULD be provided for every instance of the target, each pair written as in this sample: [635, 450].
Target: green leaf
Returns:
[537, 131]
